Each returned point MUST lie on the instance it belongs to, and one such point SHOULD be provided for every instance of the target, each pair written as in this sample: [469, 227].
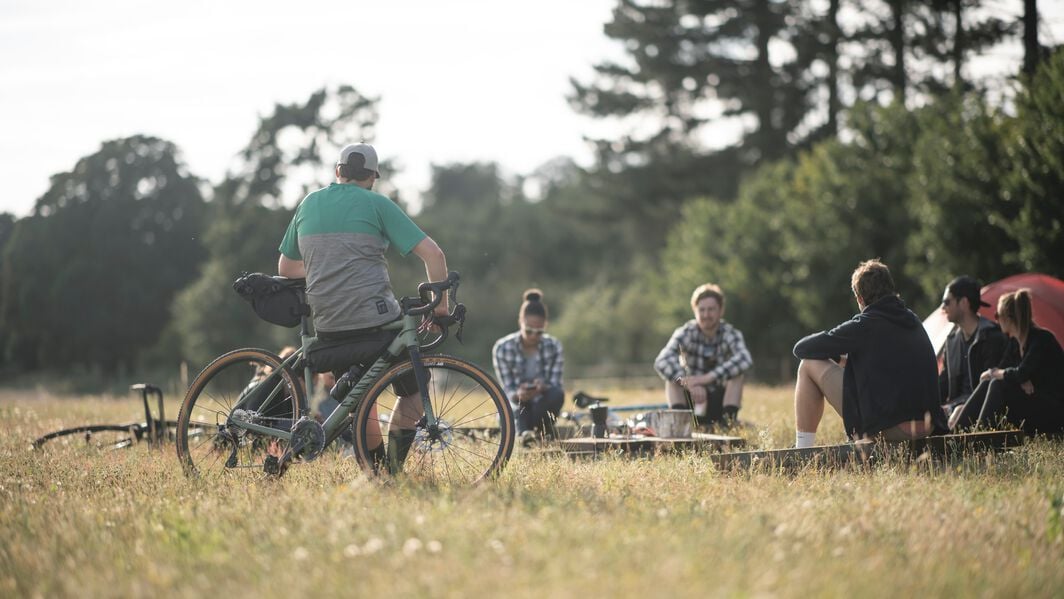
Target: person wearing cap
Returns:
[888, 388]
[337, 240]
[705, 361]
[1026, 390]
[975, 344]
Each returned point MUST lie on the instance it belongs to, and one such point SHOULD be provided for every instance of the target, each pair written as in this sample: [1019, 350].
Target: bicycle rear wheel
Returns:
[247, 385]
[472, 440]
[96, 437]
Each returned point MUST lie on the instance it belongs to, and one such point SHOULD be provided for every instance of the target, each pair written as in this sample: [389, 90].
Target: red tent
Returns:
[1047, 301]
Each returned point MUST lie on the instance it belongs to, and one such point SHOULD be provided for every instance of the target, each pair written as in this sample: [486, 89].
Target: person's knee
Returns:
[736, 381]
[674, 395]
[554, 398]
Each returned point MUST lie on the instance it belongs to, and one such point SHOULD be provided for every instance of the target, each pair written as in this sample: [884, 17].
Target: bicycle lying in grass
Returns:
[119, 436]
[459, 432]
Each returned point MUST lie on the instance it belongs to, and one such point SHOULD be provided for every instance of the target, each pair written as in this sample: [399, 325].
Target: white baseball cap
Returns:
[366, 151]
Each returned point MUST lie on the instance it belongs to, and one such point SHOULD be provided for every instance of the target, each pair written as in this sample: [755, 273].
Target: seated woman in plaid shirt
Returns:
[528, 364]
[707, 357]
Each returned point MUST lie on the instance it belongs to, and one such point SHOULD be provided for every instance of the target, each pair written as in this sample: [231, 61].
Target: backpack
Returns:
[276, 300]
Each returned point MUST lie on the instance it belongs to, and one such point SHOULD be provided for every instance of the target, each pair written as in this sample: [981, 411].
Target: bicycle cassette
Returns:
[308, 439]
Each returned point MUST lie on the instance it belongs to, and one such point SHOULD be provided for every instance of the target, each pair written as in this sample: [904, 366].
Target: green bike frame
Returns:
[405, 341]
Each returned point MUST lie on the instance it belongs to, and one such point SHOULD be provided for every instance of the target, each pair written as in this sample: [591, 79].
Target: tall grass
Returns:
[128, 523]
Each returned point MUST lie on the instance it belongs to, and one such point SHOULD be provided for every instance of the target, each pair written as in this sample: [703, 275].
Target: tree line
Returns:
[861, 136]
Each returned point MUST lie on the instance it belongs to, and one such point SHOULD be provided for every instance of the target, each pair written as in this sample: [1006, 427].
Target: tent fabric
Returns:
[1047, 303]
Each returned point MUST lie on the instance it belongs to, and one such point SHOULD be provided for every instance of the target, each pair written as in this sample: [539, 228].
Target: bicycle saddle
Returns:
[583, 400]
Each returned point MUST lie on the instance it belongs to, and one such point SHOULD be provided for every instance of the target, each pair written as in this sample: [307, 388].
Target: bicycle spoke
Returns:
[225, 446]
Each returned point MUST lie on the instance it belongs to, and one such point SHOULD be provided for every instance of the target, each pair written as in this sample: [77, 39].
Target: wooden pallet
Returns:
[869, 452]
[646, 446]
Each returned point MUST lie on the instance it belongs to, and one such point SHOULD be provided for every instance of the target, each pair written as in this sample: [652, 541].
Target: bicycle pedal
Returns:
[271, 466]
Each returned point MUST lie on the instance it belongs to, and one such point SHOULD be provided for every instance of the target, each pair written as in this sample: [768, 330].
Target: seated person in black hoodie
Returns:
[889, 386]
[975, 345]
[1028, 389]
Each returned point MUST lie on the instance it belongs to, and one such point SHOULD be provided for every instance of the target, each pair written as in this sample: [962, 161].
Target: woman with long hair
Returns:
[528, 364]
[1027, 389]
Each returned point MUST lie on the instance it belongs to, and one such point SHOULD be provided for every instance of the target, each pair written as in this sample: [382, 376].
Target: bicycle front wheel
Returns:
[471, 440]
[245, 385]
[97, 437]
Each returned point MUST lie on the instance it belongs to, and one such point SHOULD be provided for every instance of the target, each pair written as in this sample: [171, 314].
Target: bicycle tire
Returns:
[206, 443]
[196, 429]
[476, 434]
[98, 436]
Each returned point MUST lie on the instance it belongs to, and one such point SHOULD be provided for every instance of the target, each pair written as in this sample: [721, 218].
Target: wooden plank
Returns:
[867, 452]
[642, 446]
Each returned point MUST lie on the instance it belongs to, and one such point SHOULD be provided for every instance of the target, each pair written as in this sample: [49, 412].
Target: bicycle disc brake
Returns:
[308, 439]
[433, 439]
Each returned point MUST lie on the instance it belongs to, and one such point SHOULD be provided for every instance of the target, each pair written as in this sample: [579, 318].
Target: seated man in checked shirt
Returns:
[706, 357]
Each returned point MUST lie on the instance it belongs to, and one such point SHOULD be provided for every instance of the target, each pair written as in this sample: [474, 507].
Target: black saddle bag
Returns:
[276, 300]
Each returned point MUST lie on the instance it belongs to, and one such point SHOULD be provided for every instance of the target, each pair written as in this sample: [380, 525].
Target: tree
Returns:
[960, 166]
[692, 64]
[90, 276]
[1035, 191]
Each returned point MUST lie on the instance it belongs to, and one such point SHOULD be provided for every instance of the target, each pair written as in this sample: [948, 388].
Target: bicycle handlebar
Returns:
[429, 296]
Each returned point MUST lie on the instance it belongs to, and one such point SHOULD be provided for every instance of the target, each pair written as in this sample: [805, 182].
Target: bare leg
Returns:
[818, 380]
[733, 391]
[373, 429]
[675, 397]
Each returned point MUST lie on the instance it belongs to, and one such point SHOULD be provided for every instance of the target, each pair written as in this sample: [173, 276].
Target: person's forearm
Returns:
[435, 265]
[819, 346]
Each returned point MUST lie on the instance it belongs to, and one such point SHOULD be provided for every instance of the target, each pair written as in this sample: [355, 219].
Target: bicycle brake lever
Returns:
[459, 317]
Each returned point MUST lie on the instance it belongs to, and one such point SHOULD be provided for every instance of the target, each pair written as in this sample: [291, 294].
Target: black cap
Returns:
[969, 287]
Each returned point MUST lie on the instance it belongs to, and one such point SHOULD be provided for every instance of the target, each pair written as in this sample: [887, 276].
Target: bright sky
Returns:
[458, 80]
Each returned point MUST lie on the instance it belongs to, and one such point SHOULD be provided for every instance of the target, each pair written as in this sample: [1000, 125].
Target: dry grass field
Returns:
[75, 522]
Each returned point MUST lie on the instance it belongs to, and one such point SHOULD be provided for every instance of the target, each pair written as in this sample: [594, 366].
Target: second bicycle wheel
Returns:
[473, 436]
[245, 385]
[97, 437]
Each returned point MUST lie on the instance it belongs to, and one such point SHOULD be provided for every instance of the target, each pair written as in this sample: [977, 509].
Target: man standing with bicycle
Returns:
[337, 240]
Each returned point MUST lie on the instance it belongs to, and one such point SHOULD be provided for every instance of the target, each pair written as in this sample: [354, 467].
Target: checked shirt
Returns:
[689, 352]
[509, 362]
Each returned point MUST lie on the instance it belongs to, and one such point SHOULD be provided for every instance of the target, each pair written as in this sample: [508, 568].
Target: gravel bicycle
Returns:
[120, 436]
[460, 431]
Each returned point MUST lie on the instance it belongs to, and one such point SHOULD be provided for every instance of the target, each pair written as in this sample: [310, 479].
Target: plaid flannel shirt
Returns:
[689, 352]
[509, 362]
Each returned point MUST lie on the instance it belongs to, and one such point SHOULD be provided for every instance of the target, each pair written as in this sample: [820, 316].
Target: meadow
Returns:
[75, 522]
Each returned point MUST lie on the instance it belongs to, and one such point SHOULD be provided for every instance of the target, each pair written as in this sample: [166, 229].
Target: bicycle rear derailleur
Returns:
[308, 441]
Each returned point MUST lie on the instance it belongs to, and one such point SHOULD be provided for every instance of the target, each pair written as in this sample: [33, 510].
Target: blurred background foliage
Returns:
[857, 132]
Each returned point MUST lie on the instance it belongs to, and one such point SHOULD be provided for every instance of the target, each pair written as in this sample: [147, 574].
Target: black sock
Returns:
[399, 443]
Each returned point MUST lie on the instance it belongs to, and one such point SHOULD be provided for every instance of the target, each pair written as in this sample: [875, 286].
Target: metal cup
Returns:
[599, 414]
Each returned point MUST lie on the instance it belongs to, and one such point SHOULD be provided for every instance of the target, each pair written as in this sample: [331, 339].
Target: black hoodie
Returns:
[891, 374]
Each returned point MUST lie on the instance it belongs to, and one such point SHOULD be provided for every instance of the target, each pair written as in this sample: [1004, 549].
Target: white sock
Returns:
[803, 440]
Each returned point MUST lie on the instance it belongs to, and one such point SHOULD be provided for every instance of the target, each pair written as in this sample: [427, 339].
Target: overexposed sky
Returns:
[458, 80]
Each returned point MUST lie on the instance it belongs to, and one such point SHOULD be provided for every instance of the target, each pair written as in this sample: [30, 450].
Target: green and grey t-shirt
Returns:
[341, 233]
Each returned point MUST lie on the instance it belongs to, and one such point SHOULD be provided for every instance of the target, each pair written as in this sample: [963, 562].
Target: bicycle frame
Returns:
[406, 340]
